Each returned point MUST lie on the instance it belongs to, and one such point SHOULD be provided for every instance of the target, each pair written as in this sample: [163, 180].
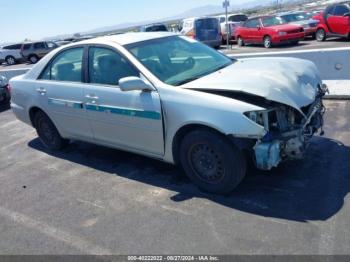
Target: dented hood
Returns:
[289, 81]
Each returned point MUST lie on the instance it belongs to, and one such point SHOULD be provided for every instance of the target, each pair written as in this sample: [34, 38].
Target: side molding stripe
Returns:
[106, 109]
[125, 112]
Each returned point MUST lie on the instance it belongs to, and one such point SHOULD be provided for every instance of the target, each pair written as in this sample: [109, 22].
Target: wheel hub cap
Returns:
[207, 163]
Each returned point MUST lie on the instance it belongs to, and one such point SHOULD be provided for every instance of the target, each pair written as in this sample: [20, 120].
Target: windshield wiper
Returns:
[187, 80]
[201, 75]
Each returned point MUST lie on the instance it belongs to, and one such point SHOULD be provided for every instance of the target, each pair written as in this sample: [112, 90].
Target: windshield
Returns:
[272, 21]
[295, 17]
[177, 60]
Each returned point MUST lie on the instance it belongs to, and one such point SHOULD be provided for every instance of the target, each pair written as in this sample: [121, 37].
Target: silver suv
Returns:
[34, 51]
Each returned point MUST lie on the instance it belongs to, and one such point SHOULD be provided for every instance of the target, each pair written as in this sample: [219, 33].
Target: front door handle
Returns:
[41, 91]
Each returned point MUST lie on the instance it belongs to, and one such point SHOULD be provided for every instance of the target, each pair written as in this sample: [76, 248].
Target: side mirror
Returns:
[133, 83]
[258, 27]
[347, 14]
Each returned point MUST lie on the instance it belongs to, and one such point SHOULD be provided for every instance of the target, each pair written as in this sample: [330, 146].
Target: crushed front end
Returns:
[288, 131]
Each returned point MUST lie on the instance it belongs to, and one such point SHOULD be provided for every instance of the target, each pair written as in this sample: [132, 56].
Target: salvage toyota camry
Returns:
[172, 98]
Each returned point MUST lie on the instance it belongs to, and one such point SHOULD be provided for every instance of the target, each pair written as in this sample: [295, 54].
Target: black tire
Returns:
[48, 133]
[240, 41]
[10, 60]
[213, 163]
[33, 59]
[267, 42]
[321, 35]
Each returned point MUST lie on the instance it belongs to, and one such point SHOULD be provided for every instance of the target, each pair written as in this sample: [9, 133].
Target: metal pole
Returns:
[226, 4]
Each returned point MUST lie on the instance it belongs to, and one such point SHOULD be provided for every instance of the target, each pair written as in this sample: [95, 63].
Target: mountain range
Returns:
[199, 11]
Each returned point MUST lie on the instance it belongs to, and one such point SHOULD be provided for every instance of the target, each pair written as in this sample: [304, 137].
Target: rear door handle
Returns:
[41, 91]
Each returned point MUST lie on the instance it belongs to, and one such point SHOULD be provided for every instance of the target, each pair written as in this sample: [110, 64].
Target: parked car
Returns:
[11, 54]
[334, 22]
[154, 28]
[230, 33]
[234, 18]
[34, 51]
[172, 98]
[302, 19]
[269, 31]
[204, 29]
[4, 90]
[233, 21]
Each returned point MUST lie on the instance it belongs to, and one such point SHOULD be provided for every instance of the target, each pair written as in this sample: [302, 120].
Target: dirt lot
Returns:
[94, 200]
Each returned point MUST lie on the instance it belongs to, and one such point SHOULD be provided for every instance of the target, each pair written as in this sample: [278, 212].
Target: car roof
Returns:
[156, 24]
[290, 13]
[260, 17]
[128, 38]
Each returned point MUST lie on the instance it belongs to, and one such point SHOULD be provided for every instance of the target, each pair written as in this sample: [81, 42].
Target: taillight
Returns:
[8, 87]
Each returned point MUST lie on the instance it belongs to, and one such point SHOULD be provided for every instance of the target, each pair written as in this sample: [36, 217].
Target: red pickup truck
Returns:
[334, 21]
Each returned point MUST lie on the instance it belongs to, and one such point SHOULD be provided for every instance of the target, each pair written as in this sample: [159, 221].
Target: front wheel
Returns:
[267, 42]
[321, 35]
[48, 133]
[211, 162]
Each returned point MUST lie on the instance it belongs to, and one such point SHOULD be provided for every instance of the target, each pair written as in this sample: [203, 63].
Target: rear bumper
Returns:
[21, 113]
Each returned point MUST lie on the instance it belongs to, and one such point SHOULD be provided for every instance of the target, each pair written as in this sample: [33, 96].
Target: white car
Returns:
[172, 98]
[11, 54]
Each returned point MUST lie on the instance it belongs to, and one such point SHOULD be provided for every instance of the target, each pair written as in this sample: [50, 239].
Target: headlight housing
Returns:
[259, 117]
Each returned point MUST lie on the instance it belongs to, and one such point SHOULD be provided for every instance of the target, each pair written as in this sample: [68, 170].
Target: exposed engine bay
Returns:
[288, 130]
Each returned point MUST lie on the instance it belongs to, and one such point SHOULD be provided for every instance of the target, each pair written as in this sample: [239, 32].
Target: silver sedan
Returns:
[172, 98]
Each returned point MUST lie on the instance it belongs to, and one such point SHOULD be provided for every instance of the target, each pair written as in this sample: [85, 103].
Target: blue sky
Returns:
[35, 19]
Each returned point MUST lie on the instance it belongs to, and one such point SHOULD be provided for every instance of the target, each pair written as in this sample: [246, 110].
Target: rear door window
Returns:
[39, 45]
[67, 66]
[27, 46]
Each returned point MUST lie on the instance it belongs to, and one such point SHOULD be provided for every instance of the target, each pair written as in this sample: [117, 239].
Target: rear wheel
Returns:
[10, 60]
[321, 35]
[267, 42]
[240, 41]
[48, 133]
[212, 162]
